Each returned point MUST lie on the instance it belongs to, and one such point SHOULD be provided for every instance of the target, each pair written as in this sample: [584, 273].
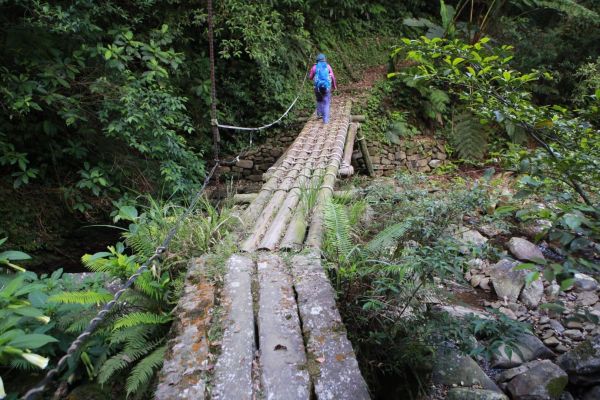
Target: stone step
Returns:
[332, 361]
[233, 371]
[282, 355]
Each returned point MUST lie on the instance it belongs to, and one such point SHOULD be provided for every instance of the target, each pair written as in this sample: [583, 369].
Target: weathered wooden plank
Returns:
[282, 353]
[332, 362]
[184, 372]
[233, 371]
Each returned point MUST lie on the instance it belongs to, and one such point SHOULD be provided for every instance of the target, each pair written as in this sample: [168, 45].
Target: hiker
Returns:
[322, 75]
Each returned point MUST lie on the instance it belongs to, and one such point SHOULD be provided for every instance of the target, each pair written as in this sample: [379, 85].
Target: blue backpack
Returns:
[322, 78]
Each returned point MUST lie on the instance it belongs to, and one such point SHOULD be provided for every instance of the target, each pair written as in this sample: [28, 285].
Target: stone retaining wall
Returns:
[421, 153]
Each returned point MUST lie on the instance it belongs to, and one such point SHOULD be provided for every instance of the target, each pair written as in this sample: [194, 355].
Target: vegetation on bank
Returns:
[105, 117]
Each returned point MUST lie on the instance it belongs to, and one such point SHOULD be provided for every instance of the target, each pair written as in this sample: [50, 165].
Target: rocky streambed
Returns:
[558, 359]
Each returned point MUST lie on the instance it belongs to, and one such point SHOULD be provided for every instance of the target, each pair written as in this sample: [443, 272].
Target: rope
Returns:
[78, 342]
[260, 128]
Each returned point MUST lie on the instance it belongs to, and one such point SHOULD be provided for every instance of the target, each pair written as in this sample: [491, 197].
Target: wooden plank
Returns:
[233, 371]
[332, 362]
[282, 353]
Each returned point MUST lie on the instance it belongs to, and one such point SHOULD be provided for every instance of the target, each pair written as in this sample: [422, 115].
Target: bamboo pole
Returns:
[346, 168]
[365, 154]
[358, 118]
[245, 198]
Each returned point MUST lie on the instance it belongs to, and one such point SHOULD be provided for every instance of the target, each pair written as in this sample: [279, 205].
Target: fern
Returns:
[337, 226]
[388, 237]
[83, 297]
[469, 137]
[143, 372]
[141, 318]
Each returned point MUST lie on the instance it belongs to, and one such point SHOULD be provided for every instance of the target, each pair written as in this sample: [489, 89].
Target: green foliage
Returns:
[30, 331]
[130, 344]
[469, 137]
[481, 78]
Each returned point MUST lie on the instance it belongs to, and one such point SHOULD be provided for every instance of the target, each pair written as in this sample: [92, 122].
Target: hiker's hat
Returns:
[321, 57]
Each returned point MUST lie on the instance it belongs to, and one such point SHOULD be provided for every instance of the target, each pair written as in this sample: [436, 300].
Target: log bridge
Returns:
[272, 330]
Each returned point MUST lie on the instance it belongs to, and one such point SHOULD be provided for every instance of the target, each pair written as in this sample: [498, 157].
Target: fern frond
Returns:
[388, 237]
[142, 373]
[149, 286]
[113, 365]
[469, 137]
[132, 336]
[356, 211]
[82, 297]
[337, 226]
[141, 318]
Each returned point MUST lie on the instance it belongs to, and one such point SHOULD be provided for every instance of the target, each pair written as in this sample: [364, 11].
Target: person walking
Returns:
[322, 75]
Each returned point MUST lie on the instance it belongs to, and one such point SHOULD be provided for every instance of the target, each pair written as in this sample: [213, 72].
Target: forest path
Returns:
[282, 335]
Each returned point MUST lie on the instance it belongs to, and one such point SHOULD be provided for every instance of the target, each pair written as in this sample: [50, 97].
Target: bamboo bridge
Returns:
[279, 333]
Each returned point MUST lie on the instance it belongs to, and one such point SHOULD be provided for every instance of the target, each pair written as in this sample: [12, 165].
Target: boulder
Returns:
[536, 228]
[435, 163]
[528, 348]
[587, 298]
[474, 394]
[583, 362]
[584, 283]
[532, 294]
[524, 249]
[507, 282]
[460, 312]
[452, 368]
[470, 239]
[542, 380]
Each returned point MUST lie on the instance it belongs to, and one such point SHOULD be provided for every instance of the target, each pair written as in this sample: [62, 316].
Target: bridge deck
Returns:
[282, 335]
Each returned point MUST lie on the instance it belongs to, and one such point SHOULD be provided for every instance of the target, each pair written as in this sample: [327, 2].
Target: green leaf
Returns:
[32, 341]
[457, 61]
[524, 266]
[567, 283]
[506, 75]
[14, 255]
[128, 213]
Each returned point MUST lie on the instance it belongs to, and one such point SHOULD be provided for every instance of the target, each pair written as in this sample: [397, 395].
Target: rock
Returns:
[536, 228]
[529, 348]
[552, 341]
[89, 391]
[476, 280]
[587, 298]
[566, 396]
[507, 282]
[532, 294]
[574, 334]
[452, 368]
[474, 394]
[592, 394]
[508, 312]
[485, 284]
[490, 230]
[524, 249]
[557, 326]
[574, 325]
[584, 283]
[473, 238]
[552, 291]
[561, 348]
[460, 312]
[542, 380]
[583, 362]
[246, 164]
[435, 163]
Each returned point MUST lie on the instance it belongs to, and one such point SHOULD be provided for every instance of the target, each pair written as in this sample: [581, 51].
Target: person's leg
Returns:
[326, 103]
[319, 100]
